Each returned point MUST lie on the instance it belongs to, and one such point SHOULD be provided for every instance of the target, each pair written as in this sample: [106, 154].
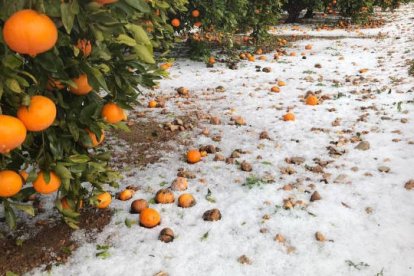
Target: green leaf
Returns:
[124, 39]
[144, 54]
[9, 214]
[139, 34]
[14, 85]
[28, 209]
[68, 16]
[79, 158]
[62, 171]
[140, 5]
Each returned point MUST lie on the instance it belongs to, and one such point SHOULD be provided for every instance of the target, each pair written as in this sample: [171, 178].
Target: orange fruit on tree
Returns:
[289, 117]
[94, 139]
[195, 13]
[164, 196]
[10, 183]
[82, 85]
[193, 156]
[30, 32]
[84, 46]
[186, 201]
[198, 24]
[149, 218]
[312, 100]
[43, 187]
[126, 195]
[104, 200]
[12, 133]
[39, 115]
[24, 175]
[176, 22]
[112, 113]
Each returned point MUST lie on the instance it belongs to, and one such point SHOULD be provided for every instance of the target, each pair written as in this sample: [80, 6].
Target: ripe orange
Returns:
[281, 83]
[84, 46]
[176, 22]
[30, 32]
[82, 85]
[149, 218]
[289, 117]
[94, 139]
[12, 133]
[312, 100]
[24, 175]
[104, 199]
[112, 113]
[152, 104]
[42, 187]
[164, 196]
[198, 24]
[308, 47]
[275, 89]
[193, 156]
[39, 115]
[138, 205]
[10, 183]
[126, 195]
[195, 13]
[186, 201]
[211, 60]
[251, 58]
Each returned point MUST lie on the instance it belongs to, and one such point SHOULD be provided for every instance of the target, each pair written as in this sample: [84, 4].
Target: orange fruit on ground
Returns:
[275, 89]
[308, 47]
[176, 22]
[138, 205]
[312, 100]
[251, 58]
[10, 183]
[104, 2]
[152, 104]
[104, 199]
[149, 218]
[242, 56]
[12, 133]
[94, 139]
[211, 60]
[193, 156]
[82, 85]
[293, 54]
[186, 201]
[259, 51]
[281, 83]
[126, 195]
[195, 13]
[39, 115]
[54, 85]
[112, 113]
[164, 196]
[42, 187]
[30, 32]
[289, 117]
[84, 46]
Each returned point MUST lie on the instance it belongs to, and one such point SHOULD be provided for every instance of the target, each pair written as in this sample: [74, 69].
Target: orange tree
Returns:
[68, 70]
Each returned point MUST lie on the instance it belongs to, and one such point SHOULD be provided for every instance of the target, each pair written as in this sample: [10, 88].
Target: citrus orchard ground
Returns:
[355, 149]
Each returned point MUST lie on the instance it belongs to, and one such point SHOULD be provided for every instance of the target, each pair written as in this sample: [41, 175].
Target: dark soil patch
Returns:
[148, 141]
[52, 244]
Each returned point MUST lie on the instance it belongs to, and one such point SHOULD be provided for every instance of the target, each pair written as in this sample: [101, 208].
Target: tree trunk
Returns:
[294, 10]
[309, 13]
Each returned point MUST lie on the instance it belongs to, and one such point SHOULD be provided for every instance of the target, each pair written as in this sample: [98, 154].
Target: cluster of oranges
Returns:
[28, 32]
[149, 217]
[176, 23]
